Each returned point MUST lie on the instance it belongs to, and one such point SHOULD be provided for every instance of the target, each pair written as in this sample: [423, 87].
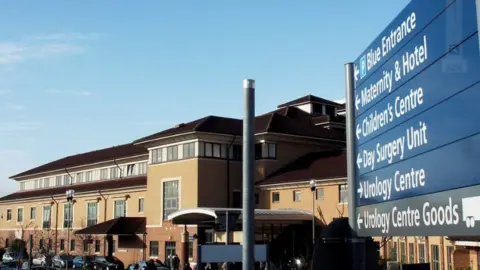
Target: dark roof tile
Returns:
[96, 156]
[91, 186]
[317, 165]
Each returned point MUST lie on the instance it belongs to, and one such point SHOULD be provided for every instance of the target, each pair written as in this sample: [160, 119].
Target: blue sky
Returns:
[81, 75]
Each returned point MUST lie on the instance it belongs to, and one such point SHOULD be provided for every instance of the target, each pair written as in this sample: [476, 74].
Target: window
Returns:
[189, 150]
[258, 151]
[114, 173]
[157, 155]
[120, 209]
[403, 253]
[130, 169]
[435, 257]
[170, 248]
[88, 176]
[97, 246]
[85, 245]
[190, 249]
[33, 213]
[79, 177]
[172, 153]
[237, 152]
[153, 248]
[421, 253]
[170, 198]
[272, 150]
[62, 244]
[37, 184]
[411, 253]
[142, 169]
[103, 174]
[393, 251]
[19, 215]
[319, 194]
[275, 197]
[46, 182]
[343, 193]
[217, 150]
[450, 257]
[92, 213]
[46, 216]
[58, 181]
[66, 180]
[296, 195]
[72, 244]
[141, 205]
[22, 185]
[213, 150]
[9, 214]
[67, 215]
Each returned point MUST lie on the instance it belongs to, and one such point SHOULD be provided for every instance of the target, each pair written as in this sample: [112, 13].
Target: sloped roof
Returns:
[132, 182]
[288, 120]
[310, 98]
[117, 226]
[106, 154]
[317, 165]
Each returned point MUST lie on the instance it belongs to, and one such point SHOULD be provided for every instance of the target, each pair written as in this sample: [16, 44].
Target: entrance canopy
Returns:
[117, 226]
[205, 216]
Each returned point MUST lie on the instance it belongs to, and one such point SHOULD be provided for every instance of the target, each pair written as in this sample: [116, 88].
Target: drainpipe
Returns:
[119, 168]
[228, 169]
[104, 219]
[56, 221]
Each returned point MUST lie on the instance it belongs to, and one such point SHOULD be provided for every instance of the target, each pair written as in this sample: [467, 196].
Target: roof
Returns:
[203, 215]
[316, 165]
[473, 238]
[310, 98]
[117, 226]
[106, 154]
[339, 119]
[288, 120]
[131, 182]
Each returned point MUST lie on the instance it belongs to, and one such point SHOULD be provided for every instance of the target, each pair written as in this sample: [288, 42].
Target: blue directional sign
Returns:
[417, 122]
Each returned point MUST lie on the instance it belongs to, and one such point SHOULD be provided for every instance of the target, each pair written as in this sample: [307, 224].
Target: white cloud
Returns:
[15, 107]
[68, 92]
[44, 45]
[18, 126]
[67, 36]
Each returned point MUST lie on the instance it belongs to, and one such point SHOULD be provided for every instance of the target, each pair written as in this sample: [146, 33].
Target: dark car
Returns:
[110, 263]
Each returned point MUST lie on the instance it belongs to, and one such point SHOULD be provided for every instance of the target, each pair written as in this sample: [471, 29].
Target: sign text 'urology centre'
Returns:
[388, 43]
[451, 211]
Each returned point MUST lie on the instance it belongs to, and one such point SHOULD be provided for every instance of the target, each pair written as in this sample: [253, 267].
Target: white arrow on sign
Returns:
[357, 101]
[359, 131]
[359, 220]
[357, 72]
[360, 190]
[359, 160]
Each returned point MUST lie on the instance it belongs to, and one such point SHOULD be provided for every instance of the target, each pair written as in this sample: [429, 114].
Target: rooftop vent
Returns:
[180, 125]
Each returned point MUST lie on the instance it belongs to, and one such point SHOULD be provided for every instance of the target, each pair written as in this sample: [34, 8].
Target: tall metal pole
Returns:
[248, 185]
[350, 113]
[313, 218]
[358, 260]
[478, 21]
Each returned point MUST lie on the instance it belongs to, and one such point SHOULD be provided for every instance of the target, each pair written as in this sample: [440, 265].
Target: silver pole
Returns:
[313, 218]
[350, 120]
[357, 262]
[248, 163]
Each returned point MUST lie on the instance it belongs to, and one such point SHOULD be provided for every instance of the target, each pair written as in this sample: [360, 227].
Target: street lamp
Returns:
[313, 188]
[70, 194]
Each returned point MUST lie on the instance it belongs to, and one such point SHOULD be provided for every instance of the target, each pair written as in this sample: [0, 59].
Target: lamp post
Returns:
[70, 194]
[313, 188]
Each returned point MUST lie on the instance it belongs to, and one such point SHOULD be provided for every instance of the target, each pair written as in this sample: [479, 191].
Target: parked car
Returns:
[12, 256]
[62, 261]
[102, 262]
[40, 259]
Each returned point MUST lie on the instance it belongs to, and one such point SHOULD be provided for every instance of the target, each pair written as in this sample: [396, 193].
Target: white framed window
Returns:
[320, 194]
[20, 215]
[271, 150]
[172, 153]
[103, 174]
[67, 215]
[142, 169]
[9, 214]
[141, 205]
[22, 185]
[275, 197]
[114, 173]
[92, 213]
[33, 213]
[66, 180]
[119, 208]
[47, 210]
[188, 150]
[88, 176]
[79, 177]
[343, 193]
[130, 169]
[297, 195]
[58, 180]
[171, 195]
[46, 182]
